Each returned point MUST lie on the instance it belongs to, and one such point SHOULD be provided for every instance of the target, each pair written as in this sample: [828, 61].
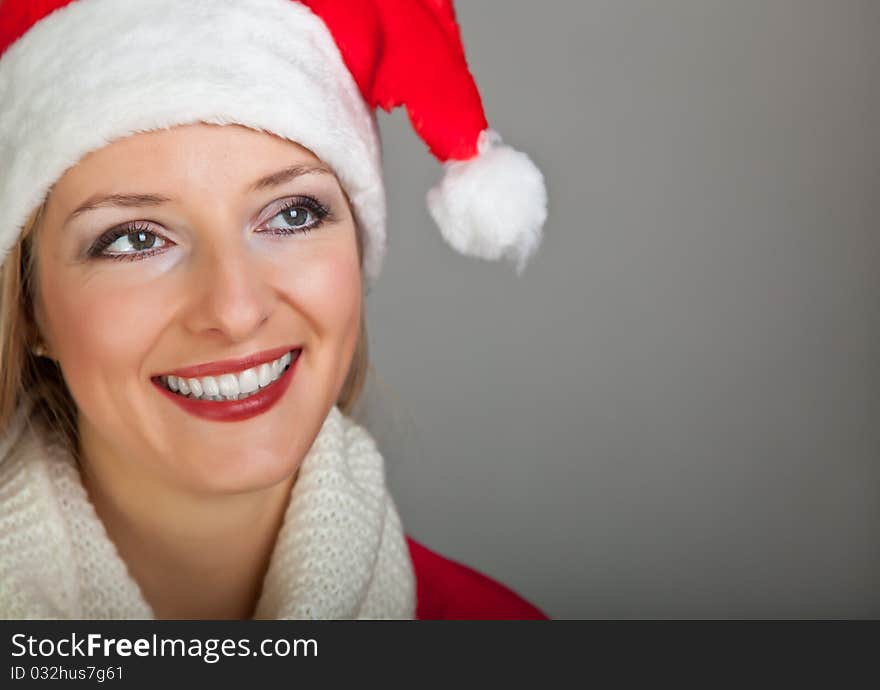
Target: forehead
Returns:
[183, 157]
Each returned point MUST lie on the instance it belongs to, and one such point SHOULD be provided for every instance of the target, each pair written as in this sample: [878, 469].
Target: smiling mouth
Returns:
[237, 385]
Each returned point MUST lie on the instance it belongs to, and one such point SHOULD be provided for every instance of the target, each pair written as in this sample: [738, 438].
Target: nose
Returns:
[232, 295]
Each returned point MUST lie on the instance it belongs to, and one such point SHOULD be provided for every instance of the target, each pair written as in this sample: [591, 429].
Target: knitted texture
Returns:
[341, 552]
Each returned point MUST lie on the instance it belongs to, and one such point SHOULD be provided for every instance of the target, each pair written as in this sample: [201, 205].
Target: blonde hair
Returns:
[22, 373]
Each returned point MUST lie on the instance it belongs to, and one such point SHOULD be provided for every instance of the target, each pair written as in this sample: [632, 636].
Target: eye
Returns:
[129, 242]
[297, 215]
[293, 217]
[143, 239]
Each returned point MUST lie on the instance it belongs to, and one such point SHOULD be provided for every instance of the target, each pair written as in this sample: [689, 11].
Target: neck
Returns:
[194, 555]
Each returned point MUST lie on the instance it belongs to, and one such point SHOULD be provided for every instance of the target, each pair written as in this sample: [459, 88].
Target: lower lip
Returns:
[236, 410]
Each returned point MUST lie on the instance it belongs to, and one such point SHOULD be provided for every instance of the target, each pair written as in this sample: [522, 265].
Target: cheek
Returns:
[326, 289]
[327, 292]
[100, 333]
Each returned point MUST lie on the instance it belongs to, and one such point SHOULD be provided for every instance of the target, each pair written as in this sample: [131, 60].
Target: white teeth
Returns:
[211, 387]
[264, 375]
[248, 381]
[229, 385]
[195, 387]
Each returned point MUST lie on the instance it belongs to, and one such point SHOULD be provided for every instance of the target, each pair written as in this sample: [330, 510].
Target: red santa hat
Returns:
[78, 74]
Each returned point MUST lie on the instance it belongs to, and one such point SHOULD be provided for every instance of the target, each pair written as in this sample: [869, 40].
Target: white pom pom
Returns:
[492, 206]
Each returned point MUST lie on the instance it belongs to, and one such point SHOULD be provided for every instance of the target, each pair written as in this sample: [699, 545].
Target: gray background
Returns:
[674, 411]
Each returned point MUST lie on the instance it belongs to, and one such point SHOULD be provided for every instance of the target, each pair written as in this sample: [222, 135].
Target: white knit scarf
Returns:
[341, 551]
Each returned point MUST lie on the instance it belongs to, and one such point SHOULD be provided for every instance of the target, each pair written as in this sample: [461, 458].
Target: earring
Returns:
[39, 350]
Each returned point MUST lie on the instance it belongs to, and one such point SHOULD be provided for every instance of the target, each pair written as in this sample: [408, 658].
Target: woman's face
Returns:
[189, 246]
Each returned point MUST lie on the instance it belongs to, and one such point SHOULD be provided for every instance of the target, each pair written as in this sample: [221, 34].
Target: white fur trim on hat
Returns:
[99, 70]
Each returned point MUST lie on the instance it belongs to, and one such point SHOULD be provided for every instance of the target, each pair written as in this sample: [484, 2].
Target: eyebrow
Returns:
[145, 200]
[124, 200]
[288, 174]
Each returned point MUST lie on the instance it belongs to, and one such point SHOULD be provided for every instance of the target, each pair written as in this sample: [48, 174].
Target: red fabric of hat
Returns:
[491, 203]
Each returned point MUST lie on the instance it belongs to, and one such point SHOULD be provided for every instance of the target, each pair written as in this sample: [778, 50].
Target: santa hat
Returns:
[78, 74]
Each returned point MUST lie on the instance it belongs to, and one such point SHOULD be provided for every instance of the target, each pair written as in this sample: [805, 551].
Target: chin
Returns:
[243, 471]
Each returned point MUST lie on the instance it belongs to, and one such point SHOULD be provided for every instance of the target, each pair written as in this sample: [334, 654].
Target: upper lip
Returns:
[231, 365]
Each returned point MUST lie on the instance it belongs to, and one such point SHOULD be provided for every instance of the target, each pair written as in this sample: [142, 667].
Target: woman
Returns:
[194, 210]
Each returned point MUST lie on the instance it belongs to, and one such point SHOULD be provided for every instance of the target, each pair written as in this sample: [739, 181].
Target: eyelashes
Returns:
[137, 228]
[291, 216]
[290, 213]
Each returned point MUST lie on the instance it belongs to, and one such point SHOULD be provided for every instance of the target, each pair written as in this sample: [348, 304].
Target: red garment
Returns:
[447, 590]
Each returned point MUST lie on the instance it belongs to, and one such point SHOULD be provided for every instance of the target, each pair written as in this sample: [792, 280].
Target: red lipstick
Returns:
[229, 366]
[233, 410]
